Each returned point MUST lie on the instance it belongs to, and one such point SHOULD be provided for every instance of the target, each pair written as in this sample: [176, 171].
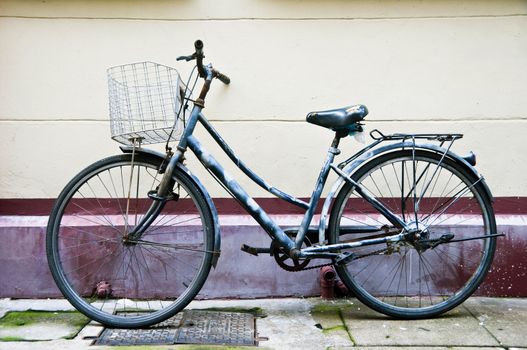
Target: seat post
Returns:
[338, 135]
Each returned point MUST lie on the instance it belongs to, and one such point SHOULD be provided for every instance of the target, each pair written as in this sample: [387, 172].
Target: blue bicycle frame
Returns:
[188, 140]
[292, 247]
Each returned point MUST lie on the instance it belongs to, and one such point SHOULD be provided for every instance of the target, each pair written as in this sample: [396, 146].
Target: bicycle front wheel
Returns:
[113, 277]
[443, 261]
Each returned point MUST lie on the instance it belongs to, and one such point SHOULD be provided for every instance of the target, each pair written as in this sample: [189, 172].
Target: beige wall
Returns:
[435, 66]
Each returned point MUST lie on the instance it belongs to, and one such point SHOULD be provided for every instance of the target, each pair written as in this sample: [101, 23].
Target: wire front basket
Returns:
[145, 103]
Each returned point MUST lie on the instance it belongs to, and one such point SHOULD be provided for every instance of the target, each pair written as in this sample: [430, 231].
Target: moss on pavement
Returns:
[19, 319]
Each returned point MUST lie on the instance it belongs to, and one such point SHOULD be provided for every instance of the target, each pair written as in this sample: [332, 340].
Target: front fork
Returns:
[163, 193]
[158, 203]
[164, 190]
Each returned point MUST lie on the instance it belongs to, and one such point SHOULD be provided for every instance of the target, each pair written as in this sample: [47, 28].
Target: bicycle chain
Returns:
[332, 263]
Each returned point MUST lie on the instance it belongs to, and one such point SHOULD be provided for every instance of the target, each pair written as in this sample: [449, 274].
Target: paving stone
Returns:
[505, 319]
[290, 323]
[455, 328]
[38, 331]
[419, 348]
[36, 304]
[327, 314]
[89, 332]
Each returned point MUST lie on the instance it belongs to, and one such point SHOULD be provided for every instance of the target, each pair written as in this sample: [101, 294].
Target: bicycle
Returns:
[131, 239]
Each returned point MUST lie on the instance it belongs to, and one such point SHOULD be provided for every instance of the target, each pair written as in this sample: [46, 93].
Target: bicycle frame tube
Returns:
[219, 172]
[239, 193]
[364, 193]
[315, 197]
[248, 203]
[252, 175]
[164, 185]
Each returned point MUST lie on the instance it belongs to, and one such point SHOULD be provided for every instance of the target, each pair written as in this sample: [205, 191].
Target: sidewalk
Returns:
[480, 323]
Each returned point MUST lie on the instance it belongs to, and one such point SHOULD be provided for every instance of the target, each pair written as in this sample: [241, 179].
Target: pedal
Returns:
[344, 258]
[255, 251]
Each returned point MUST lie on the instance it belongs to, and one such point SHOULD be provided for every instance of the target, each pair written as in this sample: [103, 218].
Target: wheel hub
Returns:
[417, 235]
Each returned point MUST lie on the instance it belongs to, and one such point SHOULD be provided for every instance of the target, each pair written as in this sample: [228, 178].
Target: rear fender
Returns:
[357, 163]
[199, 185]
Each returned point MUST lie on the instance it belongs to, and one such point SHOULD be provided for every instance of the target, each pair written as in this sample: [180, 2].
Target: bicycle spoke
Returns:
[456, 198]
[393, 199]
[102, 238]
[109, 193]
[106, 220]
[437, 199]
[98, 202]
[168, 262]
[393, 278]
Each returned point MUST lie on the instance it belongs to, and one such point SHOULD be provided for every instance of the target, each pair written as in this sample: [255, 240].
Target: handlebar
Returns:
[221, 77]
[203, 70]
[198, 46]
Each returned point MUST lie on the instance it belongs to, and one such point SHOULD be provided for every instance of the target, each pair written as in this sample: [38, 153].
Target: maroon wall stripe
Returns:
[228, 206]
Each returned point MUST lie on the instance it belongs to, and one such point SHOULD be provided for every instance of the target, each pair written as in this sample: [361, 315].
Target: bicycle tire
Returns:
[431, 280]
[111, 279]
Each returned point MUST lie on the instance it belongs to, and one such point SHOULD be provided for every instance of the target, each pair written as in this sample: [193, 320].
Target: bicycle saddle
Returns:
[339, 118]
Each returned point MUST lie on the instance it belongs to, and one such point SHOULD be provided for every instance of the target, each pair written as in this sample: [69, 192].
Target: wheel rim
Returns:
[410, 277]
[118, 280]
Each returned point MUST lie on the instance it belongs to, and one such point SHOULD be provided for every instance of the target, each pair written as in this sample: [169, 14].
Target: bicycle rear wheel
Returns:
[438, 267]
[111, 278]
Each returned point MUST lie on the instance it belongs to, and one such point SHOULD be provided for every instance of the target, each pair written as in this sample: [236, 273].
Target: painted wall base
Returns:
[24, 270]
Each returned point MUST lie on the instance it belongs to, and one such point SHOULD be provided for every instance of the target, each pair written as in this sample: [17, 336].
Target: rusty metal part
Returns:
[341, 290]
[103, 289]
[204, 90]
[327, 282]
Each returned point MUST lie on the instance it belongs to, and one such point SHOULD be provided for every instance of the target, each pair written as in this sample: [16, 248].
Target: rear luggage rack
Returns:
[379, 136]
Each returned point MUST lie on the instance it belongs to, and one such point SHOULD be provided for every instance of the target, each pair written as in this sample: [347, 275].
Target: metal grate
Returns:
[189, 327]
[214, 327]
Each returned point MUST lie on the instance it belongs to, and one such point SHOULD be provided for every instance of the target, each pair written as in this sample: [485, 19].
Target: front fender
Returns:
[199, 185]
[357, 163]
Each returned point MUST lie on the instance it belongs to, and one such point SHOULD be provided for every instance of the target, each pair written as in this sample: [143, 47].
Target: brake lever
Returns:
[186, 58]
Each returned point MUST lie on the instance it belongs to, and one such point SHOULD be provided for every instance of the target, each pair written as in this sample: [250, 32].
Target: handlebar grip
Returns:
[198, 45]
[223, 78]
[186, 58]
